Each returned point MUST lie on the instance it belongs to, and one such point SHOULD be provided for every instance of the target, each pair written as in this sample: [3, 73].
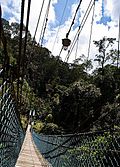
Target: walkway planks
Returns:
[29, 156]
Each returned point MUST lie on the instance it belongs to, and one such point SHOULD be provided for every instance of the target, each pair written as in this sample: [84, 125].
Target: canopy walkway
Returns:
[29, 155]
[12, 135]
[77, 150]
[27, 149]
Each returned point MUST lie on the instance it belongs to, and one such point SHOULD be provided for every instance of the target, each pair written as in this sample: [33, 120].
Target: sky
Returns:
[61, 13]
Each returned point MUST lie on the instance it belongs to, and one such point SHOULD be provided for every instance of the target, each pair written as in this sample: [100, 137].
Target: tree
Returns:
[6, 28]
[78, 107]
[109, 83]
[104, 55]
[115, 58]
[64, 94]
[87, 64]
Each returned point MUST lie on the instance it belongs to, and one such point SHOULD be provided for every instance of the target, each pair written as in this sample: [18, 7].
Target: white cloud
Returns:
[115, 9]
[112, 8]
[108, 7]
[6, 2]
[11, 8]
[84, 36]
[99, 30]
[34, 13]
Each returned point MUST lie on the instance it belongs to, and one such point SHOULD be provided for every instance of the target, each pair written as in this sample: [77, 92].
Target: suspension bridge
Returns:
[20, 148]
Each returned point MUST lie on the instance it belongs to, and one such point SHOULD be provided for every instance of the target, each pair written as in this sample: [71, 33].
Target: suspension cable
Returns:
[77, 46]
[44, 24]
[38, 20]
[27, 23]
[81, 26]
[67, 34]
[118, 43]
[79, 30]
[60, 52]
[90, 6]
[73, 19]
[91, 31]
[20, 47]
[25, 44]
[60, 24]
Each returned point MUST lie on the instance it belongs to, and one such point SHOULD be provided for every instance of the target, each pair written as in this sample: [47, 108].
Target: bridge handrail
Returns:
[69, 137]
[11, 132]
[46, 141]
[1, 70]
[103, 147]
[3, 85]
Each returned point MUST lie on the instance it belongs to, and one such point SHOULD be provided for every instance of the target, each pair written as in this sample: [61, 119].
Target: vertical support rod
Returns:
[118, 43]
[20, 48]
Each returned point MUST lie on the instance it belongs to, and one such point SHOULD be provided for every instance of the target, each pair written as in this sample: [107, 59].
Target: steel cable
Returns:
[44, 24]
[91, 31]
[80, 29]
[38, 20]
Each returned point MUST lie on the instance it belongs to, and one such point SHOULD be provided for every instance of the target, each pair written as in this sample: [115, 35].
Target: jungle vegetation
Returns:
[65, 96]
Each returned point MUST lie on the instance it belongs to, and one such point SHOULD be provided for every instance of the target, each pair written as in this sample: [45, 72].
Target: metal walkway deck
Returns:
[29, 156]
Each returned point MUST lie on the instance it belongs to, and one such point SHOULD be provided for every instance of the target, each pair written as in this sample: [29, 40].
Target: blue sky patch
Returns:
[59, 8]
[104, 20]
[8, 15]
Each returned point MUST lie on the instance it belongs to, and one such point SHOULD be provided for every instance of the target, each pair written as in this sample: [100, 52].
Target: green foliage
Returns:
[51, 128]
[104, 47]
[91, 149]
[62, 94]
[49, 118]
[107, 80]
[110, 116]
[77, 106]
[38, 126]
[24, 121]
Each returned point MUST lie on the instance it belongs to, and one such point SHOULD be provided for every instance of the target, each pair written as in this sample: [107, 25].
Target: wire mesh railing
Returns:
[98, 149]
[11, 132]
